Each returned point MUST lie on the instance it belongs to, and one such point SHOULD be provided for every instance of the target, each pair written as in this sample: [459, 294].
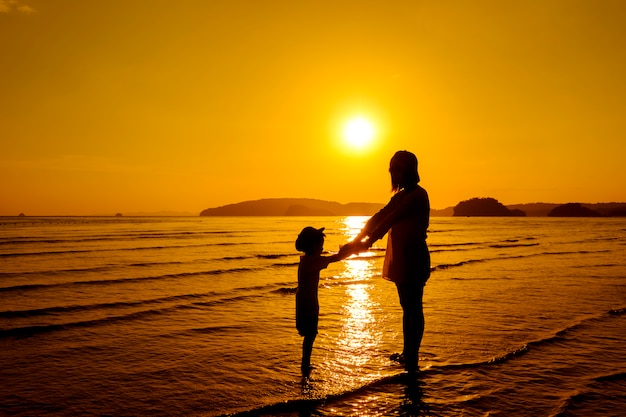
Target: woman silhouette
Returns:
[407, 259]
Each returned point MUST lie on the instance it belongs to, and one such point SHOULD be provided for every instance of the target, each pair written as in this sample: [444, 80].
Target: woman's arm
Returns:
[401, 206]
[344, 252]
[373, 223]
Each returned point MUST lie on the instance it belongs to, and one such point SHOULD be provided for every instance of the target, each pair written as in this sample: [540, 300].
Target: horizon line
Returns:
[170, 213]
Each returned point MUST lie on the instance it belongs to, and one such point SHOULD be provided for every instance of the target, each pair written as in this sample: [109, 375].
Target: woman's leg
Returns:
[411, 300]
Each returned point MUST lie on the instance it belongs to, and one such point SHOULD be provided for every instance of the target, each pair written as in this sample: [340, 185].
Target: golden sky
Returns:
[151, 105]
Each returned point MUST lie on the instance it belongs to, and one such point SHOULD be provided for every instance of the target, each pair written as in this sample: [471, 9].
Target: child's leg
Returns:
[307, 349]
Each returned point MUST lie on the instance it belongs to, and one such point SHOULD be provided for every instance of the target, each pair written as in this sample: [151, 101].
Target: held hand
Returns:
[360, 246]
[346, 250]
[353, 248]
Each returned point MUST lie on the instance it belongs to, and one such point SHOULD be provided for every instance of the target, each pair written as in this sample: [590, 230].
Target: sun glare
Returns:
[358, 133]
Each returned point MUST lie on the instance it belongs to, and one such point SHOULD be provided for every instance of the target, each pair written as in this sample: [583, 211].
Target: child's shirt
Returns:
[307, 303]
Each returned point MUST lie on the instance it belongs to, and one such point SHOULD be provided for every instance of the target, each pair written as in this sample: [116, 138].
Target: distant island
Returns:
[485, 207]
[474, 207]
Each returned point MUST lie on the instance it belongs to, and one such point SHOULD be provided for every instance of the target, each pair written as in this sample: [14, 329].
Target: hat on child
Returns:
[308, 237]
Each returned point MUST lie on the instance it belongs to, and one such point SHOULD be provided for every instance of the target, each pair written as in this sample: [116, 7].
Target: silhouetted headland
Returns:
[485, 207]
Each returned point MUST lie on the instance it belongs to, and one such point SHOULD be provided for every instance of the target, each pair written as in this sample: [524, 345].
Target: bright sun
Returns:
[358, 132]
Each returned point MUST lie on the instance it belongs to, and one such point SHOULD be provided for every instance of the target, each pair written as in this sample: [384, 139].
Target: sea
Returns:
[195, 316]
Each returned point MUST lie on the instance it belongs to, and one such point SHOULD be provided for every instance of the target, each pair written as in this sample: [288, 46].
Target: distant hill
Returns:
[293, 207]
[314, 207]
[156, 214]
[544, 209]
[608, 209]
[534, 209]
[447, 212]
[573, 210]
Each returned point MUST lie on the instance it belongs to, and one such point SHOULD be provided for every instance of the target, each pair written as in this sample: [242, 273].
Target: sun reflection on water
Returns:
[352, 225]
[358, 337]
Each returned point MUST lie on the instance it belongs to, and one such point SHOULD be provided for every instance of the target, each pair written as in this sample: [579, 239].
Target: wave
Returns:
[307, 405]
[56, 272]
[521, 256]
[17, 254]
[286, 290]
[620, 376]
[216, 329]
[598, 389]
[30, 331]
[504, 241]
[12, 314]
[527, 347]
[226, 258]
[478, 248]
[511, 245]
[452, 245]
[18, 240]
[457, 264]
[30, 287]
[274, 256]
[139, 248]
[97, 282]
[95, 269]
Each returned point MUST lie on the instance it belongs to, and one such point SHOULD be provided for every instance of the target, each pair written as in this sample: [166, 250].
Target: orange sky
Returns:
[150, 105]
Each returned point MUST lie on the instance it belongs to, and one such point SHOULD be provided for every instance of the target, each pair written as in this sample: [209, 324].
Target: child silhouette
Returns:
[311, 242]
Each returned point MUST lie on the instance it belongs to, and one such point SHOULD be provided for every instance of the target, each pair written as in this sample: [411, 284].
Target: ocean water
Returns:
[195, 317]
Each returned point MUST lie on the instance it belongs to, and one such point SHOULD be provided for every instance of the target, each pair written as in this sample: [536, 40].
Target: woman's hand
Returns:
[353, 247]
